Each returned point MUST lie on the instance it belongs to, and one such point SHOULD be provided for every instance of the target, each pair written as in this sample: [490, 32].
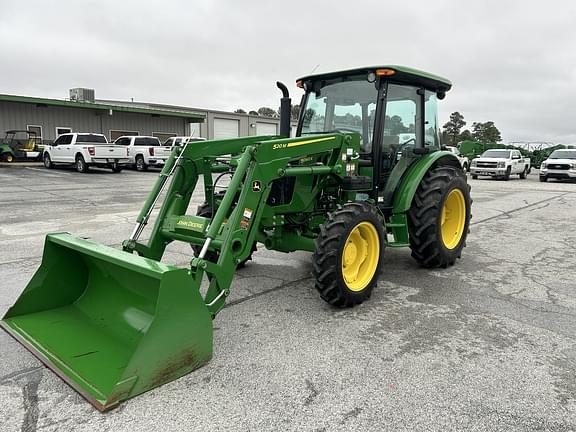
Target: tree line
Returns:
[269, 112]
[484, 132]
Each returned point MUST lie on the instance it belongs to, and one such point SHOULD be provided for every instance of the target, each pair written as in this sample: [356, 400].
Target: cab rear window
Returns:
[92, 139]
[146, 142]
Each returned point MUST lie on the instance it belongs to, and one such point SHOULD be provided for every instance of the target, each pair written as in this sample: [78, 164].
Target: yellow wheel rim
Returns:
[9, 158]
[453, 219]
[360, 256]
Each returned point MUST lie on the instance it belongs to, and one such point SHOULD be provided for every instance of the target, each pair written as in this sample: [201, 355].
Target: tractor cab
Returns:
[392, 108]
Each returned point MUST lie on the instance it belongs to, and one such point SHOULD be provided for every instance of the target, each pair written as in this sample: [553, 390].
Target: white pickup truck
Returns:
[500, 163]
[144, 151]
[84, 150]
[561, 164]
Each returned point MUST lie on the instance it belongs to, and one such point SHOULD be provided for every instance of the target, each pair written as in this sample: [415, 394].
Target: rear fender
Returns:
[414, 175]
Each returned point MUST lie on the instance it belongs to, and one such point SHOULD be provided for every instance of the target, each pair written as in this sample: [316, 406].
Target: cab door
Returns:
[58, 153]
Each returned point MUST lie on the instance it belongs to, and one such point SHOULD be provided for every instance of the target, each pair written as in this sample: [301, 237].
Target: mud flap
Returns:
[111, 324]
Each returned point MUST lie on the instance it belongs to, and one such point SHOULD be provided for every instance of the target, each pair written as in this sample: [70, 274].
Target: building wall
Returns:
[15, 115]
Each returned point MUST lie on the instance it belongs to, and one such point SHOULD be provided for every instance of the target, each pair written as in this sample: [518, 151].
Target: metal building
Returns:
[83, 113]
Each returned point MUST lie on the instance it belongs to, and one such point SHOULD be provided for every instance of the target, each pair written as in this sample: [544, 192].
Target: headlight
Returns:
[473, 163]
[573, 165]
[543, 165]
[502, 164]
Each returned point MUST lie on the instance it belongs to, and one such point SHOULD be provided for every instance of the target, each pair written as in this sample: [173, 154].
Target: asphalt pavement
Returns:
[486, 345]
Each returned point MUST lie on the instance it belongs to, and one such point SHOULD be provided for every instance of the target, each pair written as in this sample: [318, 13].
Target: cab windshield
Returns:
[563, 154]
[342, 106]
[496, 154]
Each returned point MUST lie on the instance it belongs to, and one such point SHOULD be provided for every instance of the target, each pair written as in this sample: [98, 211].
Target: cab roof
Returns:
[400, 73]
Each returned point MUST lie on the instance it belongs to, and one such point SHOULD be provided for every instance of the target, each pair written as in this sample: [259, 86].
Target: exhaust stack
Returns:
[285, 110]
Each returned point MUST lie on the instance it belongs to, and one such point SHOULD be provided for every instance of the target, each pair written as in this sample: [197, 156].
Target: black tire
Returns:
[331, 246]
[205, 210]
[7, 157]
[523, 174]
[507, 175]
[543, 179]
[465, 167]
[81, 166]
[426, 214]
[474, 177]
[140, 164]
[47, 161]
[116, 168]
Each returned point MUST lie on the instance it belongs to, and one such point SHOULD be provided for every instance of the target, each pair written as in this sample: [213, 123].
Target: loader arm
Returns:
[235, 226]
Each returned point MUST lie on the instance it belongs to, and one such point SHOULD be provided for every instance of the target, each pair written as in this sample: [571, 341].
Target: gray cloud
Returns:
[512, 62]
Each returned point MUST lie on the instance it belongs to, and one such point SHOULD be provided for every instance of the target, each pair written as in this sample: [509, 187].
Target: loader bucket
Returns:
[111, 324]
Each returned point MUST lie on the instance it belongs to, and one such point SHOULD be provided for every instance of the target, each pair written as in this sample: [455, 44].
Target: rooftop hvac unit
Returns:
[82, 95]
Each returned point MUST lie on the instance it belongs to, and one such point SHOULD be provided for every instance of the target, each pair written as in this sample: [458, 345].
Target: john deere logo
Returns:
[256, 186]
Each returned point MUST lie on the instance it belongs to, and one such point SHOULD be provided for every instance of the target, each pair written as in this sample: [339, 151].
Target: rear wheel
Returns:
[140, 164]
[524, 173]
[47, 161]
[81, 166]
[348, 254]
[116, 168]
[439, 217]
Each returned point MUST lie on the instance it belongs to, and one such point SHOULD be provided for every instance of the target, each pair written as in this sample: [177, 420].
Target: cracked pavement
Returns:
[486, 345]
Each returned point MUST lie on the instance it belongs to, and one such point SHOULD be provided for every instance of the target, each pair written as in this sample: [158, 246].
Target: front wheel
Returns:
[7, 157]
[47, 161]
[439, 217]
[543, 179]
[508, 172]
[348, 254]
[81, 166]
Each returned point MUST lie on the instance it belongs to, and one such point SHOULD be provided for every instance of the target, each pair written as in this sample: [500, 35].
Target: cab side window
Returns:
[123, 141]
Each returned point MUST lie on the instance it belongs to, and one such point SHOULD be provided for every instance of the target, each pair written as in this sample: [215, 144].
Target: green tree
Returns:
[267, 112]
[295, 112]
[466, 135]
[240, 111]
[486, 132]
[454, 126]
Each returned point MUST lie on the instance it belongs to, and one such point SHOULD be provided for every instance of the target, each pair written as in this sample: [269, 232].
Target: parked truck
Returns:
[144, 151]
[500, 163]
[84, 150]
[561, 164]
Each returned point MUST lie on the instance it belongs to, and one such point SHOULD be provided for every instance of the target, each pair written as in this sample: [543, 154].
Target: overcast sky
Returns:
[512, 62]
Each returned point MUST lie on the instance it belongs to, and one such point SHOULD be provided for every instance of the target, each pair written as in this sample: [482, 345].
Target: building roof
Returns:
[402, 73]
[104, 106]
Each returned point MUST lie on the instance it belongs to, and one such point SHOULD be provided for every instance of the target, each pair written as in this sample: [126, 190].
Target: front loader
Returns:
[364, 172]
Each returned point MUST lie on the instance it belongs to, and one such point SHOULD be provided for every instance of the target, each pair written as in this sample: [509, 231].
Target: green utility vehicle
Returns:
[20, 145]
[116, 323]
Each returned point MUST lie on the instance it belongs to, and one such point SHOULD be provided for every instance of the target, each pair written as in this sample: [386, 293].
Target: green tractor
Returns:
[116, 323]
[20, 145]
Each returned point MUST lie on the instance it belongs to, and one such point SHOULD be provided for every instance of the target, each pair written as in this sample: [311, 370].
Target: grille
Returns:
[487, 164]
[559, 166]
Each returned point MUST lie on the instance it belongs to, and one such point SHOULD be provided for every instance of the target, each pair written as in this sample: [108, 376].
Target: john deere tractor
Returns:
[365, 172]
